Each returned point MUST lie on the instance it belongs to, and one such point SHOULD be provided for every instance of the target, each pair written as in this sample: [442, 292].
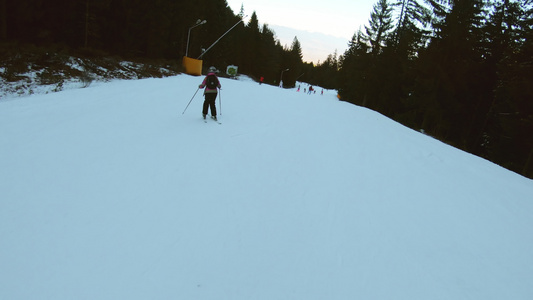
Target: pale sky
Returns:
[321, 26]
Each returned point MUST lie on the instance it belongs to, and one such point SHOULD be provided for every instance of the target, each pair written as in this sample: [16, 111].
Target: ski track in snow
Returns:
[110, 192]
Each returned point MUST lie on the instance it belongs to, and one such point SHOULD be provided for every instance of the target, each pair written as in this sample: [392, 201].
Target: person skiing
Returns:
[210, 83]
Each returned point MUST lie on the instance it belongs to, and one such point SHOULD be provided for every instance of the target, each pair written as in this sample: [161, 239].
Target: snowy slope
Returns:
[110, 192]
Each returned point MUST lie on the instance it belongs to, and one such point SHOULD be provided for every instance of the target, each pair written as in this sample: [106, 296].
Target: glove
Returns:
[200, 86]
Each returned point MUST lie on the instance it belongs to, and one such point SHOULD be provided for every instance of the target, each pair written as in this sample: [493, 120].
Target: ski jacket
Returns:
[208, 90]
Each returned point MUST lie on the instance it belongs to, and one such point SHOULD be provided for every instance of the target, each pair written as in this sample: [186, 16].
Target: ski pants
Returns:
[209, 102]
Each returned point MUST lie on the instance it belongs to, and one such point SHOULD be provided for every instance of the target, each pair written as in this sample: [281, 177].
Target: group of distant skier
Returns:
[311, 90]
[211, 84]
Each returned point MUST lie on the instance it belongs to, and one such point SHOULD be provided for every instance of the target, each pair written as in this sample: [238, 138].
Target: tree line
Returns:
[460, 70]
[154, 29]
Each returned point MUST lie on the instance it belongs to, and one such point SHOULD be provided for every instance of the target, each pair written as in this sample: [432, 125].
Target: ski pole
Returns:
[190, 101]
[220, 100]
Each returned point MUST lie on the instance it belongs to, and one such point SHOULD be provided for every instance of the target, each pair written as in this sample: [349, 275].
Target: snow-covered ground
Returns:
[110, 192]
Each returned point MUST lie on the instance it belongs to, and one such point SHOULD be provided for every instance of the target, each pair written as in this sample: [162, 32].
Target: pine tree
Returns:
[296, 49]
[508, 125]
[252, 47]
[380, 26]
[270, 55]
[353, 70]
[450, 89]
[411, 34]
[327, 73]
[292, 60]
[241, 12]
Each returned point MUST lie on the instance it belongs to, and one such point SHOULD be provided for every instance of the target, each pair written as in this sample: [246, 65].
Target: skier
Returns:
[211, 83]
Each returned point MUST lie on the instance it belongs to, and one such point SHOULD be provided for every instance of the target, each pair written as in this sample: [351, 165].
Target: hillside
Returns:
[110, 192]
[27, 70]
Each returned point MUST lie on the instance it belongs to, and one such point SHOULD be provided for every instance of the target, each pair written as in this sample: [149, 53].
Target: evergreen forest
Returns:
[458, 70]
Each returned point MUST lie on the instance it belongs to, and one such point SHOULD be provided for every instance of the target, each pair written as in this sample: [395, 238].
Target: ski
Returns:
[216, 121]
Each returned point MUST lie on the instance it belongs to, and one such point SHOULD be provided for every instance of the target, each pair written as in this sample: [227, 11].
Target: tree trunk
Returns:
[86, 40]
[3, 20]
[525, 170]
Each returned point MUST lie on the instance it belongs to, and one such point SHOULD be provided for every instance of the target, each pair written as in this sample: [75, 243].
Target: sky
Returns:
[321, 26]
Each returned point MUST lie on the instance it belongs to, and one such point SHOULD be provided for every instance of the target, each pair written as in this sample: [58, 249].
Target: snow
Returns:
[110, 192]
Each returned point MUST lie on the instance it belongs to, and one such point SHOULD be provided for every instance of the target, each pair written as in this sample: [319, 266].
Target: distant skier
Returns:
[211, 83]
